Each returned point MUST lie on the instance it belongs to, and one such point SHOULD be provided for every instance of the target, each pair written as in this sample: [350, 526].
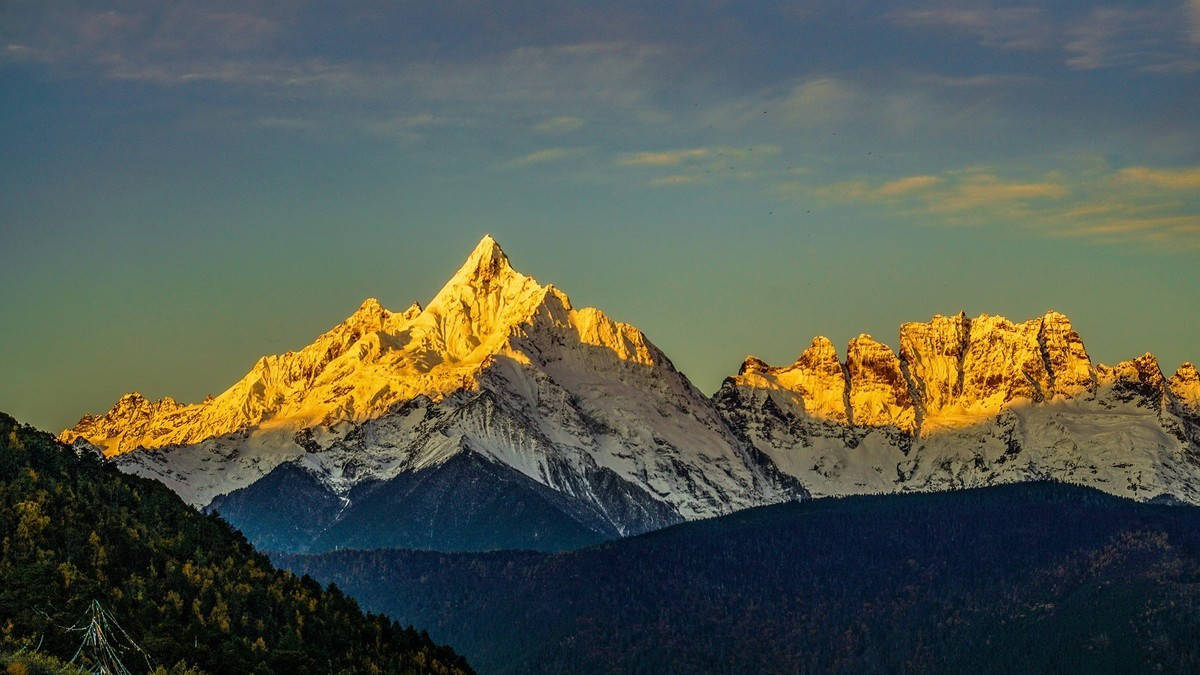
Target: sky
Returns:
[185, 187]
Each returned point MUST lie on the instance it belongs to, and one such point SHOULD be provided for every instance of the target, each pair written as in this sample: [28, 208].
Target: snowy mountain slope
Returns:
[497, 365]
[972, 402]
[580, 423]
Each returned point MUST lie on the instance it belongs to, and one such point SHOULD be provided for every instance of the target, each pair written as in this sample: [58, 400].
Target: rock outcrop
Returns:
[879, 393]
[975, 401]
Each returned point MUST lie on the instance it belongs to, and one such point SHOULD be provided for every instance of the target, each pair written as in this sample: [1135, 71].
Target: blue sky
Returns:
[187, 186]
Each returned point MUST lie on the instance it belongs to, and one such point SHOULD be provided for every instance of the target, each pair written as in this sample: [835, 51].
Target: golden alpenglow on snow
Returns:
[971, 402]
[586, 411]
[196, 197]
[496, 366]
[372, 361]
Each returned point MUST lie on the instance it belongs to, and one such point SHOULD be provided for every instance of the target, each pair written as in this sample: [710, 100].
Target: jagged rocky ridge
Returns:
[971, 402]
[576, 426]
[500, 397]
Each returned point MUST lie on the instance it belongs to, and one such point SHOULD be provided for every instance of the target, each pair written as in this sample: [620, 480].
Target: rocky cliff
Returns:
[973, 401]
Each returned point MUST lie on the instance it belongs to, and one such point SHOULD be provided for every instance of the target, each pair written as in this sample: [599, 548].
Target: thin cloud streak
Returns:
[559, 125]
[909, 184]
[1112, 207]
[1018, 28]
[1159, 39]
[664, 157]
[543, 157]
[1175, 179]
[675, 179]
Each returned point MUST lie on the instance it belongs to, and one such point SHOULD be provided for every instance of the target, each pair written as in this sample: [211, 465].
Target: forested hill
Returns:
[1020, 578]
[186, 587]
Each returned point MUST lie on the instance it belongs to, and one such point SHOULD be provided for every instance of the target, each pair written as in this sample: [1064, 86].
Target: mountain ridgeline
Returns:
[1033, 577]
[969, 402]
[187, 588]
[498, 393]
[501, 416]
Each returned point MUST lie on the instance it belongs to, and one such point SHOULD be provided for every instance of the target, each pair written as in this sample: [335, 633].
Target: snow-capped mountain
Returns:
[501, 416]
[498, 415]
[971, 402]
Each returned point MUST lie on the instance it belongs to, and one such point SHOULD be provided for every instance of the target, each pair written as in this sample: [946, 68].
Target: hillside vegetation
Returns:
[1021, 578]
[186, 587]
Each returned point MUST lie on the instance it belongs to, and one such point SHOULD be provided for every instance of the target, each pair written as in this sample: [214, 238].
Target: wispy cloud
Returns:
[860, 190]
[986, 80]
[664, 157]
[717, 154]
[543, 157]
[984, 189]
[819, 98]
[908, 184]
[258, 48]
[1193, 10]
[1156, 38]
[700, 165]
[129, 40]
[1158, 228]
[1110, 37]
[558, 125]
[955, 191]
[402, 127]
[1130, 205]
[907, 106]
[809, 102]
[287, 123]
[675, 179]
[1021, 28]
[1175, 179]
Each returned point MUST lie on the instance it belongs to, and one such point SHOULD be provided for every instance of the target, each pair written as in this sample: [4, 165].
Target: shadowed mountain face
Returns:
[1054, 578]
[467, 503]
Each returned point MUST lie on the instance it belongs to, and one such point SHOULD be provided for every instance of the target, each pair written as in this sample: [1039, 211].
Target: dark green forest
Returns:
[1021, 578]
[186, 587]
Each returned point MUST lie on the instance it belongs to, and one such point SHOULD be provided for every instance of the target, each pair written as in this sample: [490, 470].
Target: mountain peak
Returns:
[487, 260]
[1185, 386]
[482, 300]
[1188, 372]
[820, 355]
[753, 364]
[369, 317]
[369, 309]
[487, 241]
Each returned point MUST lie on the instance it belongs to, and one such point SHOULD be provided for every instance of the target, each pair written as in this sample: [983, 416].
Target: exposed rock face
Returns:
[976, 401]
[814, 385]
[1138, 379]
[497, 365]
[934, 353]
[964, 368]
[1185, 388]
[879, 394]
[950, 370]
[133, 419]
[1070, 369]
